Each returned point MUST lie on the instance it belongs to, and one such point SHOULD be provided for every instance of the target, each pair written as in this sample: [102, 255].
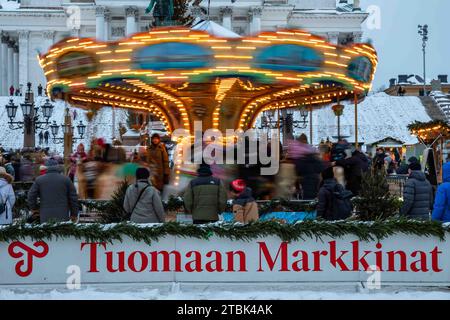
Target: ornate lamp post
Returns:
[31, 120]
[423, 32]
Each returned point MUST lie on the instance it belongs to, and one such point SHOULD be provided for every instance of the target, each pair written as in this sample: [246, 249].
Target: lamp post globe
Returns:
[54, 129]
[81, 129]
[11, 109]
[47, 109]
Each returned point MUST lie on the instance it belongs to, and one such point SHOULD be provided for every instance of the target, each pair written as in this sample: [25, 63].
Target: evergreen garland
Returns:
[365, 231]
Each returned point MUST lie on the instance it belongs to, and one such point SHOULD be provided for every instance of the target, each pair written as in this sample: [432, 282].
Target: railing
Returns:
[397, 184]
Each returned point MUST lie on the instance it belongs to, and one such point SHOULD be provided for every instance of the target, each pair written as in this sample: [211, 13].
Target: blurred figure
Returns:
[9, 167]
[441, 210]
[46, 137]
[26, 168]
[334, 199]
[159, 162]
[42, 170]
[11, 90]
[41, 138]
[245, 209]
[378, 160]
[205, 197]
[79, 157]
[354, 167]
[40, 90]
[417, 195]
[7, 197]
[54, 195]
[308, 167]
[142, 202]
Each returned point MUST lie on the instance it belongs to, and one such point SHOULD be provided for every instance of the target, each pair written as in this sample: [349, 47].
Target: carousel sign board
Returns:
[266, 260]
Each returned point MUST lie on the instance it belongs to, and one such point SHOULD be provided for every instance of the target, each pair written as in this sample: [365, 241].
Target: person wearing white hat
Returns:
[7, 197]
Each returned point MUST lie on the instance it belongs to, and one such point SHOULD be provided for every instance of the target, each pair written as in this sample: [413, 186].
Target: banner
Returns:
[400, 259]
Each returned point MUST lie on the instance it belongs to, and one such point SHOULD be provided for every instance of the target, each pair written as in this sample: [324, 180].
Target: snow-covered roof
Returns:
[443, 102]
[380, 116]
[215, 29]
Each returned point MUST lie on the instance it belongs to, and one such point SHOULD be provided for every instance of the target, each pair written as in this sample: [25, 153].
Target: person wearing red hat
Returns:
[245, 209]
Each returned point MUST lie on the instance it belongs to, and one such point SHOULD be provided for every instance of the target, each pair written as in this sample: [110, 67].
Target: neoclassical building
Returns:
[31, 27]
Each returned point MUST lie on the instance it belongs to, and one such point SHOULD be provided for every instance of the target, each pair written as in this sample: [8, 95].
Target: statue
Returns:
[163, 11]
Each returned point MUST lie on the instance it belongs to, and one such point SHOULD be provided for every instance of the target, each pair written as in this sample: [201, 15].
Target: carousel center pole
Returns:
[356, 121]
[310, 123]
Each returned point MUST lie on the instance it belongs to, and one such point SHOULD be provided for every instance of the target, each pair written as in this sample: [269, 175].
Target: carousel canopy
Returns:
[182, 75]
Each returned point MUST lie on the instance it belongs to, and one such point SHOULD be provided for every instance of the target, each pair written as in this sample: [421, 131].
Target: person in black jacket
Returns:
[354, 167]
[417, 195]
[378, 160]
[334, 200]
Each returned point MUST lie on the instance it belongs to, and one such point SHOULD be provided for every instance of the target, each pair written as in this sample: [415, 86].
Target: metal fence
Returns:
[397, 184]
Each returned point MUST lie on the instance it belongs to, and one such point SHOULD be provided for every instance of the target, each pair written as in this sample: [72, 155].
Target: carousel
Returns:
[183, 76]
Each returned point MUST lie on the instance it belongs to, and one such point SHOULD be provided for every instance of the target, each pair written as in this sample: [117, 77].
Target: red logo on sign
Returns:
[25, 266]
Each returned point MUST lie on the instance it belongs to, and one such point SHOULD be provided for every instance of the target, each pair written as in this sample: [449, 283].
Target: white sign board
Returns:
[400, 259]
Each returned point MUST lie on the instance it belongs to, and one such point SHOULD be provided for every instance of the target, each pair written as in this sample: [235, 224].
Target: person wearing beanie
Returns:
[245, 209]
[417, 194]
[329, 207]
[441, 211]
[205, 197]
[158, 159]
[142, 201]
[53, 195]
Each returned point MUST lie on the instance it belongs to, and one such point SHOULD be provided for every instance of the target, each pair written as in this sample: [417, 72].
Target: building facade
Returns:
[30, 27]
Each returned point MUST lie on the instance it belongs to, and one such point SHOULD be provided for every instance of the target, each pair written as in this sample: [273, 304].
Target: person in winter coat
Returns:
[205, 197]
[7, 197]
[326, 196]
[354, 167]
[11, 91]
[308, 166]
[142, 201]
[245, 209]
[378, 160]
[417, 195]
[159, 162]
[57, 194]
[441, 211]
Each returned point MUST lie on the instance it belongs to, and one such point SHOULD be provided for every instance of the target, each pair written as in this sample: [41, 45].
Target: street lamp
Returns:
[31, 120]
[423, 32]
[338, 110]
[67, 129]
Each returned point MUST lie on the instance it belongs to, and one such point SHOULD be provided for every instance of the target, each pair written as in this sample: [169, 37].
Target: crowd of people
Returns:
[330, 174]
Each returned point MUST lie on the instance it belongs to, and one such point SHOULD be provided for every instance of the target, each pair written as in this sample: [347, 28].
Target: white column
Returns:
[16, 66]
[227, 13]
[23, 59]
[100, 23]
[131, 14]
[333, 37]
[255, 20]
[107, 25]
[10, 76]
[4, 62]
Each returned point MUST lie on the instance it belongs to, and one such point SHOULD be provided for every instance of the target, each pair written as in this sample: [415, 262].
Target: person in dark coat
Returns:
[58, 199]
[46, 136]
[378, 160]
[11, 91]
[205, 197]
[354, 168]
[417, 195]
[308, 168]
[329, 191]
[40, 89]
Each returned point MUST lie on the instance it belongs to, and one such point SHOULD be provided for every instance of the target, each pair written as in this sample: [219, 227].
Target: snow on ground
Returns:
[379, 115]
[101, 126]
[141, 292]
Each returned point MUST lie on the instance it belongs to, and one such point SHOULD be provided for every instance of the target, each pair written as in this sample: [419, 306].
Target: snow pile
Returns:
[443, 101]
[215, 29]
[152, 292]
[379, 116]
[101, 126]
